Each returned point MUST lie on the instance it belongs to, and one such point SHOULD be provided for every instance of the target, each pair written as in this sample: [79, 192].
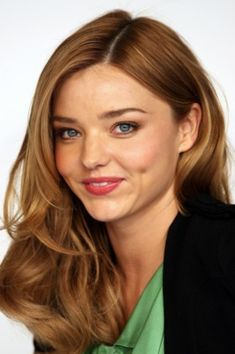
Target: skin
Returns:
[137, 213]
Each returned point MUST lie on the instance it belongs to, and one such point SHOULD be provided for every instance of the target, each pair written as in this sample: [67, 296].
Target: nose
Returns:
[94, 152]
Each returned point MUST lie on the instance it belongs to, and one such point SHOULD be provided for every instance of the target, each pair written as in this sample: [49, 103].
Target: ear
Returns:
[189, 127]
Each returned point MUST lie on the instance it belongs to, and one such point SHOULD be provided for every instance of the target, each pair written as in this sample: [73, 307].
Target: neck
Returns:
[139, 241]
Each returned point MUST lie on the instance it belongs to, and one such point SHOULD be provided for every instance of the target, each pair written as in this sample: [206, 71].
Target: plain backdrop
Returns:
[31, 30]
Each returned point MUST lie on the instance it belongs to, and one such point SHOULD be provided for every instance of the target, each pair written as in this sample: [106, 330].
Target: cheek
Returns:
[152, 152]
[64, 162]
[139, 158]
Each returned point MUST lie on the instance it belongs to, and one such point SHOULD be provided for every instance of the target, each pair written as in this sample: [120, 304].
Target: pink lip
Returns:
[113, 182]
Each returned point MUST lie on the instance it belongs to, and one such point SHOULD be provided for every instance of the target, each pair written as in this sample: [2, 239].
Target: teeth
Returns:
[100, 184]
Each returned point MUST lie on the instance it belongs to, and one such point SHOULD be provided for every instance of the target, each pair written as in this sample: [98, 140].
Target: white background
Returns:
[31, 30]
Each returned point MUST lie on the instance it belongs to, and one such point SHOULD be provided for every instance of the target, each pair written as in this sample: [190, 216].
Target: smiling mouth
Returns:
[101, 188]
[100, 184]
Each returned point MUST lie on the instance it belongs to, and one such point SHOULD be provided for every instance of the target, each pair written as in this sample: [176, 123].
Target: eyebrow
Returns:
[105, 115]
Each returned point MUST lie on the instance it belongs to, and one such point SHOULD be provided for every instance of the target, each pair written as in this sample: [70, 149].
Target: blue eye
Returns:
[125, 128]
[69, 133]
[66, 133]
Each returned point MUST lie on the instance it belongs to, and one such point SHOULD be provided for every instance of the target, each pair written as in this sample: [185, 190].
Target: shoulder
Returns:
[210, 208]
[213, 226]
[212, 215]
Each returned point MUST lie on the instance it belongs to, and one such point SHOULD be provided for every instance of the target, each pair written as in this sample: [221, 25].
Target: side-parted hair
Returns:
[59, 276]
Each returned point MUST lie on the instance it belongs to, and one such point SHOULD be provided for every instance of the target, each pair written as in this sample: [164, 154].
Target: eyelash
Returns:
[58, 132]
[133, 125]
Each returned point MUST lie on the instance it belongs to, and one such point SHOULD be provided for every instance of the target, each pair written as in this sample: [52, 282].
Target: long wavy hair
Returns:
[59, 275]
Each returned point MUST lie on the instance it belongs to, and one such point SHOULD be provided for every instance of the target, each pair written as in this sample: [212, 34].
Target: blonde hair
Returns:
[59, 276]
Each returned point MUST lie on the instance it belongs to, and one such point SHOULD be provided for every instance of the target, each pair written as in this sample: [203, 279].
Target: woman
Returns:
[124, 238]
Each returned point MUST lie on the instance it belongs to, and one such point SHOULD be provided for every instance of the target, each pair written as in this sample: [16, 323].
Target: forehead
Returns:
[104, 87]
[103, 79]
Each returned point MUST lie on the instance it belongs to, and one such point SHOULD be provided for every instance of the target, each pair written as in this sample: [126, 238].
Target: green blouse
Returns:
[143, 333]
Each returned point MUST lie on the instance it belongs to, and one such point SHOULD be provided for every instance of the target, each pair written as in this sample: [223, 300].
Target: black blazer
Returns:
[199, 280]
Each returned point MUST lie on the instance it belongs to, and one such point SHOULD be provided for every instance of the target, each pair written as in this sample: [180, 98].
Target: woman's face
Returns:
[111, 128]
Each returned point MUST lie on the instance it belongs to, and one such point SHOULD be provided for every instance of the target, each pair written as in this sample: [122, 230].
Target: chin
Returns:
[104, 216]
[104, 212]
